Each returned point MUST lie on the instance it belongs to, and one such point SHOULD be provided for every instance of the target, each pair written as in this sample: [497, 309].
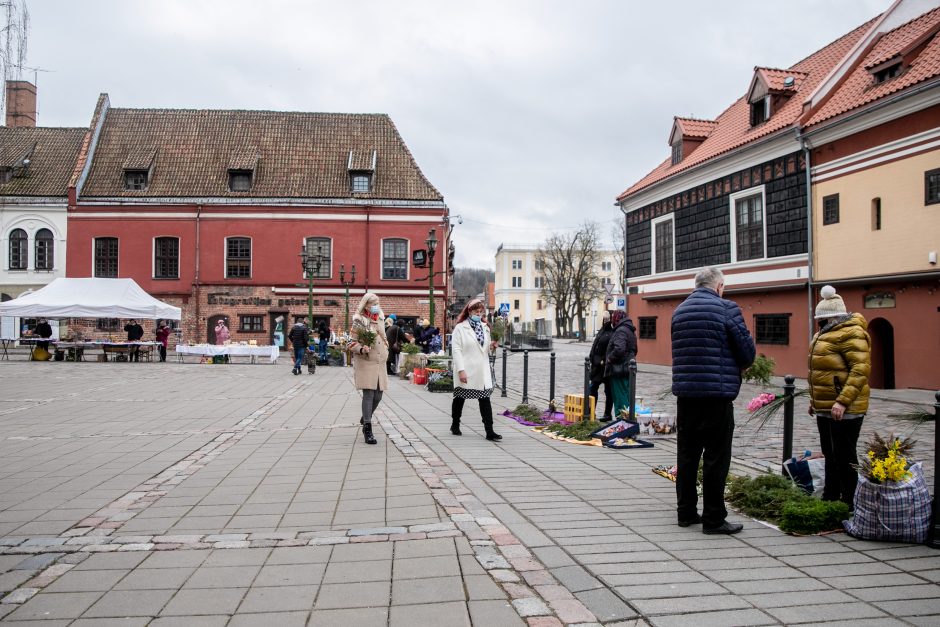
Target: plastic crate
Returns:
[419, 379]
[574, 408]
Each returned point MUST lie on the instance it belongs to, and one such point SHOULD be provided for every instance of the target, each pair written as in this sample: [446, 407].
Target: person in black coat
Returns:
[711, 346]
[620, 350]
[135, 333]
[43, 330]
[395, 337]
[299, 337]
[598, 357]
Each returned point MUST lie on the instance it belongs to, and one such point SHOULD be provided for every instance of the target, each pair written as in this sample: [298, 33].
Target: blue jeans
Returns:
[323, 344]
[299, 356]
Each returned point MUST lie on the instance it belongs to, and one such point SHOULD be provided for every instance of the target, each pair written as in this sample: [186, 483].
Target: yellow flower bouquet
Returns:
[886, 460]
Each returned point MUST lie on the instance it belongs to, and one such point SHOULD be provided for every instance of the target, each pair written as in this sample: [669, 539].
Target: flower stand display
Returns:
[620, 434]
[440, 380]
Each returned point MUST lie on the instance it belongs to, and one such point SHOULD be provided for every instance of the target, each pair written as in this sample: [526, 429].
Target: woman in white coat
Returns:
[369, 361]
[470, 345]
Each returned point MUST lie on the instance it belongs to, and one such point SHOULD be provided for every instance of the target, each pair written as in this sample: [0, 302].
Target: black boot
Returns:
[367, 433]
[486, 410]
[455, 426]
[492, 435]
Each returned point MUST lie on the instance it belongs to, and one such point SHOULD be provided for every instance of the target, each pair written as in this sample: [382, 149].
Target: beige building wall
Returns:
[525, 293]
[910, 230]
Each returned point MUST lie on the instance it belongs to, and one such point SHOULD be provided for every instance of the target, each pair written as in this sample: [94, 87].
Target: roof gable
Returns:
[691, 129]
[292, 155]
[733, 129]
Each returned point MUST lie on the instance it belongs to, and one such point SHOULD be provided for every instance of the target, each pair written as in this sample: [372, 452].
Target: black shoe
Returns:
[362, 421]
[688, 522]
[725, 528]
[455, 427]
[607, 418]
[493, 436]
[367, 434]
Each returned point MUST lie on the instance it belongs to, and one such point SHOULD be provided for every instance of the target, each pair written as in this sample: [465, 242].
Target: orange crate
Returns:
[574, 408]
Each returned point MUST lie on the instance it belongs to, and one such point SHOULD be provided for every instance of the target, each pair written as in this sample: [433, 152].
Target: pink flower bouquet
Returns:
[759, 401]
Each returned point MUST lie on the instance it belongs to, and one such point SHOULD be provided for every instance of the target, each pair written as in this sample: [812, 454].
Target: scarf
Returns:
[478, 329]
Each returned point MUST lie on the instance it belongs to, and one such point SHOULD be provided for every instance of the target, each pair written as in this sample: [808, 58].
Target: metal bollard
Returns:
[586, 405]
[551, 377]
[503, 393]
[788, 389]
[525, 377]
[933, 539]
[632, 368]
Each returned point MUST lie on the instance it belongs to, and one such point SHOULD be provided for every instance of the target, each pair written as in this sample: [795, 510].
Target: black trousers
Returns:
[705, 427]
[162, 352]
[838, 440]
[595, 388]
[486, 411]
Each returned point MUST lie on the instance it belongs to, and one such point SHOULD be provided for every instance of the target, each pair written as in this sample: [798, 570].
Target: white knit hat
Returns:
[831, 304]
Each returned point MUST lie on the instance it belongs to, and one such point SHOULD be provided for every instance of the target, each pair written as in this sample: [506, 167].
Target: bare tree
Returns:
[569, 264]
[554, 261]
[586, 282]
[620, 250]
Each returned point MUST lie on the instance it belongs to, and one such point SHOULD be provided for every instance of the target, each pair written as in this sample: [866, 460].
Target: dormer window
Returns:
[676, 152]
[239, 180]
[136, 180]
[760, 111]
[361, 182]
[886, 73]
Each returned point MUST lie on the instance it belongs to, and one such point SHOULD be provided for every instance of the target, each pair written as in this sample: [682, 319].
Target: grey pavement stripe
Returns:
[497, 550]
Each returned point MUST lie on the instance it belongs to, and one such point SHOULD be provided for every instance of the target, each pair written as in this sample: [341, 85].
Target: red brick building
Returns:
[210, 209]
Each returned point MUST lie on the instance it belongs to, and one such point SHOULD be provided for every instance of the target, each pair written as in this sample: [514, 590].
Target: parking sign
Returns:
[621, 301]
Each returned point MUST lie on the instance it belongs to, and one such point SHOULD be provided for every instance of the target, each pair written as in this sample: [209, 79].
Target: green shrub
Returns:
[498, 329]
[762, 496]
[809, 515]
[761, 370]
[576, 430]
[410, 349]
[529, 413]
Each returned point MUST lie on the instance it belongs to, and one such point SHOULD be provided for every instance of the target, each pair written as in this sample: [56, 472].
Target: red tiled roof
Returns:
[859, 86]
[733, 128]
[693, 127]
[51, 162]
[294, 155]
[775, 78]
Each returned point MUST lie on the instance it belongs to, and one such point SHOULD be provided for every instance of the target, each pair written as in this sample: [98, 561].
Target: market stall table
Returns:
[233, 350]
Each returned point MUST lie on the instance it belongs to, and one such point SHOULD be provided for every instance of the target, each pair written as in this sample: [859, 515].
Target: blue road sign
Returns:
[504, 309]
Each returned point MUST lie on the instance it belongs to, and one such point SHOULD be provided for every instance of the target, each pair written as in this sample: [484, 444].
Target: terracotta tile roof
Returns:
[299, 155]
[859, 87]
[360, 161]
[693, 127]
[139, 158]
[733, 128]
[775, 78]
[51, 162]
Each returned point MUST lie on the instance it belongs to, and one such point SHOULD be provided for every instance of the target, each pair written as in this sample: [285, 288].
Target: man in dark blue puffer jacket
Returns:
[710, 347]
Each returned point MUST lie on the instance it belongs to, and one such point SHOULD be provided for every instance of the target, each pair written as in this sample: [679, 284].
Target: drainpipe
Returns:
[809, 234]
[196, 273]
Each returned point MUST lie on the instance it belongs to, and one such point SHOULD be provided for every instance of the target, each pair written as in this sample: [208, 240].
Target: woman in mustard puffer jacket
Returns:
[839, 365]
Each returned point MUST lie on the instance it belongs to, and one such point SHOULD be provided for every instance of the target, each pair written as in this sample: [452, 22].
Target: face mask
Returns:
[374, 309]
[475, 317]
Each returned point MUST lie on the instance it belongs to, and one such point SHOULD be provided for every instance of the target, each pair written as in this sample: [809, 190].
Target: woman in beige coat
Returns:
[470, 345]
[369, 361]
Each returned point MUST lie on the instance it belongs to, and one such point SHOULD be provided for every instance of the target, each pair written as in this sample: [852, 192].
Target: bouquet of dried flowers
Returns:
[886, 460]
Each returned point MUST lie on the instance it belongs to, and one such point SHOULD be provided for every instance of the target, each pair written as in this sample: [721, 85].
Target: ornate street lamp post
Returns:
[431, 243]
[346, 284]
[310, 262]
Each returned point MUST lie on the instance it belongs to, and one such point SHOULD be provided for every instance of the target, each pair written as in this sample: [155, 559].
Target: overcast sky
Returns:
[527, 115]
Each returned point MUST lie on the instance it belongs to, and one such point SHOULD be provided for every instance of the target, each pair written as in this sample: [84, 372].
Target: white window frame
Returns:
[667, 218]
[382, 258]
[303, 246]
[539, 282]
[516, 282]
[733, 218]
[251, 261]
[517, 264]
[179, 259]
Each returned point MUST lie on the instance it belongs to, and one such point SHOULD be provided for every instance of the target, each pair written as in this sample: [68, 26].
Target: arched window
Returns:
[45, 250]
[18, 248]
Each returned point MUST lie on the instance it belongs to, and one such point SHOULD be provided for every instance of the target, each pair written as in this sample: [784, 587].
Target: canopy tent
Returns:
[90, 298]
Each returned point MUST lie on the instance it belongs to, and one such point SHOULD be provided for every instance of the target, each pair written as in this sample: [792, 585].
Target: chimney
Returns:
[21, 103]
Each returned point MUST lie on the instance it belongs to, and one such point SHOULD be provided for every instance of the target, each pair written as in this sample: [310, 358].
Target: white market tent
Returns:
[90, 298]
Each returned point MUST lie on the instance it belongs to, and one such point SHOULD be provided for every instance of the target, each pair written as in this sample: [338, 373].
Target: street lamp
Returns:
[346, 284]
[431, 243]
[311, 266]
